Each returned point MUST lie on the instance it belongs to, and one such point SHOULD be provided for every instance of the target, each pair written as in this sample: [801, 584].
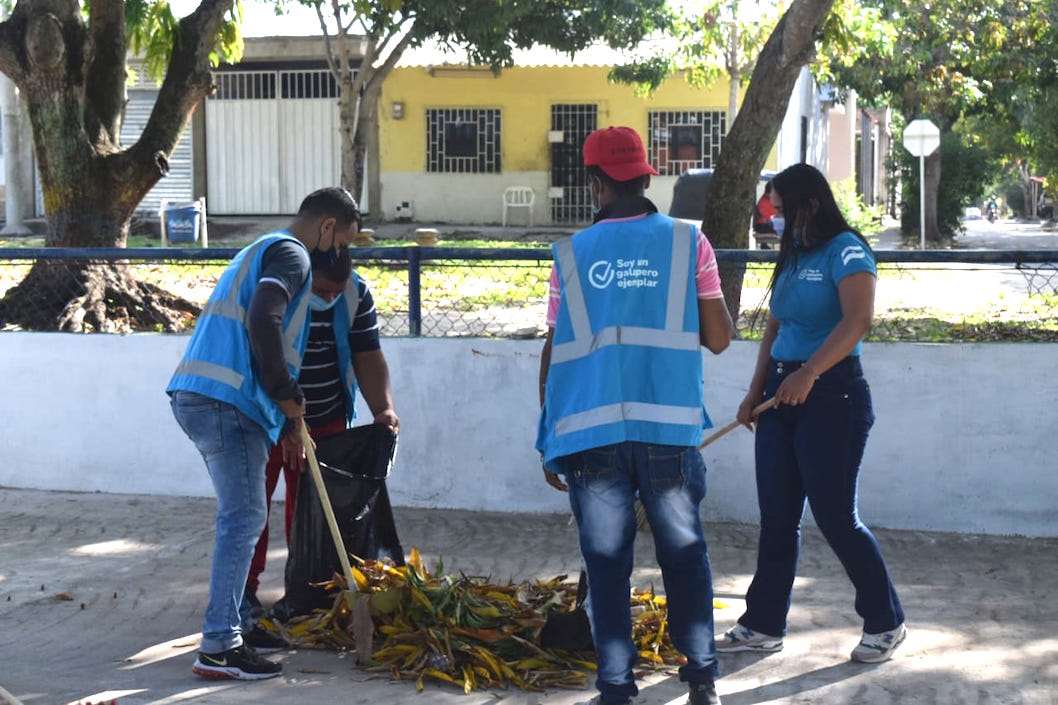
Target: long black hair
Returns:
[806, 194]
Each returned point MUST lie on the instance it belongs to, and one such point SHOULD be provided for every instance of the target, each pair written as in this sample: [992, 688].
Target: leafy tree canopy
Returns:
[947, 58]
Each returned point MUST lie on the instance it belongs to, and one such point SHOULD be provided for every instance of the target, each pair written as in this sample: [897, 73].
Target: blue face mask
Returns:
[779, 223]
[318, 303]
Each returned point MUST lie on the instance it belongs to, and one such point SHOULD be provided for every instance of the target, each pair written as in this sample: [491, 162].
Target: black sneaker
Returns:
[241, 663]
[264, 641]
[703, 694]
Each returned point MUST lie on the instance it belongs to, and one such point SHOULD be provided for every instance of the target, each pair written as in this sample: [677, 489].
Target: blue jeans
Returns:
[670, 481]
[235, 449]
[813, 451]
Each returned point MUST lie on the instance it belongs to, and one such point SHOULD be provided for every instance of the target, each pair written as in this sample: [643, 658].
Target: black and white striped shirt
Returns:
[320, 379]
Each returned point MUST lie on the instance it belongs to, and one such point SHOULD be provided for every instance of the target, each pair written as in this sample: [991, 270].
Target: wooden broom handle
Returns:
[328, 510]
[761, 408]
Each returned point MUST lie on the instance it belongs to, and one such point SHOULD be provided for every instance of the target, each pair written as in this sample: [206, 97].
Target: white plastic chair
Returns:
[518, 197]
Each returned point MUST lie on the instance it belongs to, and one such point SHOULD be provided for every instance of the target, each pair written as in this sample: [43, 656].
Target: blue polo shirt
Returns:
[805, 300]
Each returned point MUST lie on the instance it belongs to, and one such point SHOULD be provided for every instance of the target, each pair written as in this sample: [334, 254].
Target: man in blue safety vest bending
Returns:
[235, 393]
[633, 297]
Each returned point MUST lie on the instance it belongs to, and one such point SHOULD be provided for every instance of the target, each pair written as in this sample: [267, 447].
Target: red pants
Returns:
[290, 477]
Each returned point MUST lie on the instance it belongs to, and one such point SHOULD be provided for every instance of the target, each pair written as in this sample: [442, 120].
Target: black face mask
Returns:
[322, 259]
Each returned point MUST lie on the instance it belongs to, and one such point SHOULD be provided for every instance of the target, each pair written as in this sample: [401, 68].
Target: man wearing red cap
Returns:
[633, 297]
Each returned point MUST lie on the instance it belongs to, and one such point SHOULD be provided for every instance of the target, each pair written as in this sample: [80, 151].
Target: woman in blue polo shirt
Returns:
[811, 444]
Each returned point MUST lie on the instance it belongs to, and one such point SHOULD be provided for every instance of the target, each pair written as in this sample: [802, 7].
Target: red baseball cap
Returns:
[619, 152]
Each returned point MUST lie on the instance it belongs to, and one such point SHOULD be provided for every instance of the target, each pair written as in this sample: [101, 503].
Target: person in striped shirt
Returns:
[343, 334]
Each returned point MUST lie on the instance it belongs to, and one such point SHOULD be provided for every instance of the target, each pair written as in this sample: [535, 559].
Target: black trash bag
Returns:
[570, 631]
[354, 465]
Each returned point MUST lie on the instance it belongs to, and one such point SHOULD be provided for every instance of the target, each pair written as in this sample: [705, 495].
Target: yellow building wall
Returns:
[525, 97]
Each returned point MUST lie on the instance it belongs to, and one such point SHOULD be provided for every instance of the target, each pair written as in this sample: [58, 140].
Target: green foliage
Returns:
[719, 38]
[151, 29]
[1008, 186]
[866, 219]
[1041, 120]
[490, 30]
[947, 62]
[850, 29]
[963, 176]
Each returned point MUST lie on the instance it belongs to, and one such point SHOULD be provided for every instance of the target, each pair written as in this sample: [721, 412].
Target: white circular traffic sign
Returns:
[921, 138]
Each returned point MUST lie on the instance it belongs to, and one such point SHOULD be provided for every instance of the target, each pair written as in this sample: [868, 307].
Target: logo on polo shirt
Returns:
[852, 252]
[810, 275]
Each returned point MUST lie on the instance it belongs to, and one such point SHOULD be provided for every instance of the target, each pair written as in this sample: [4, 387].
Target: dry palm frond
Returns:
[468, 631]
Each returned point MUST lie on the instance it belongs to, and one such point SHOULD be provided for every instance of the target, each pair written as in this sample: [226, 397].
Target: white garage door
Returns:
[177, 186]
[271, 138]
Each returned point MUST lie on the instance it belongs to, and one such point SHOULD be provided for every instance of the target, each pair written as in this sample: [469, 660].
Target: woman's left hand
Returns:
[796, 387]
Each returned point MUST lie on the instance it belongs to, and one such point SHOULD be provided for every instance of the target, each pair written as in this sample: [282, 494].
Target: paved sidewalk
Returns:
[982, 611]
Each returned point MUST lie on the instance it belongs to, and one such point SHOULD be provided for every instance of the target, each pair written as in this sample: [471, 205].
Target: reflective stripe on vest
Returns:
[352, 305]
[673, 337]
[211, 370]
[629, 411]
[230, 308]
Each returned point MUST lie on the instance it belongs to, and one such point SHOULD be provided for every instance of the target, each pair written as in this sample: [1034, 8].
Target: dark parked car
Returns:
[689, 199]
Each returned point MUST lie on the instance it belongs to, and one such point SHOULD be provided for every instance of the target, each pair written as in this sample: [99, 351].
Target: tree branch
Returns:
[186, 83]
[394, 56]
[343, 48]
[12, 32]
[329, 49]
[106, 72]
[732, 191]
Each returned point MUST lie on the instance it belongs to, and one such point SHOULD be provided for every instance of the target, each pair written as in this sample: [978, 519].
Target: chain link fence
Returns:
[482, 292]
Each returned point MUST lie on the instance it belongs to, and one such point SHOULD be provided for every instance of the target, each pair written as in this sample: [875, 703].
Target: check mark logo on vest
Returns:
[601, 274]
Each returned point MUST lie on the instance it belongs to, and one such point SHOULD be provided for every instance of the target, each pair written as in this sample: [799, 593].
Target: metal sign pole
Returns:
[922, 202]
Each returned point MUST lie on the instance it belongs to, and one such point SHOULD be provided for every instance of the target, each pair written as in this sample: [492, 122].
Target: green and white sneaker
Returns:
[739, 638]
[875, 648]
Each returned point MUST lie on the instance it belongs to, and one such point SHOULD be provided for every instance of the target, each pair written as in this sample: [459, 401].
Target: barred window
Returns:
[463, 140]
[308, 84]
[269, 85]
[245, 85]
[689, 139]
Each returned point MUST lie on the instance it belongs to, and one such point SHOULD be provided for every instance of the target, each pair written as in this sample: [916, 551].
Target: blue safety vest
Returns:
[218, 362]
[626, 361]
[344, 313]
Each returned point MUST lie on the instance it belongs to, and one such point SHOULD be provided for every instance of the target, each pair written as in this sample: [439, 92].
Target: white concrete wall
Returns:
[963, 441]
[804, 102]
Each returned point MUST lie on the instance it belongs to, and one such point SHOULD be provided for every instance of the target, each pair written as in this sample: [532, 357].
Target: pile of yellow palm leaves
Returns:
[467, 631]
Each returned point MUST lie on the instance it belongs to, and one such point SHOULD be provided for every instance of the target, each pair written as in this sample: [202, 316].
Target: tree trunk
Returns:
[370, 146]
[348, 128]
[71, 79]
[732, 190]
[734, 80]
[734, 75]
[932, 193]
[1025, 177]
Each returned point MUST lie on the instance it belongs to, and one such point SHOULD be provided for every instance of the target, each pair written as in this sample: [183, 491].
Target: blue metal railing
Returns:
[414, 256]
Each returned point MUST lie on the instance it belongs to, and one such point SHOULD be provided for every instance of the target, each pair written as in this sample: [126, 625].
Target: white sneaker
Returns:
[875, 648]
[739, 638]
